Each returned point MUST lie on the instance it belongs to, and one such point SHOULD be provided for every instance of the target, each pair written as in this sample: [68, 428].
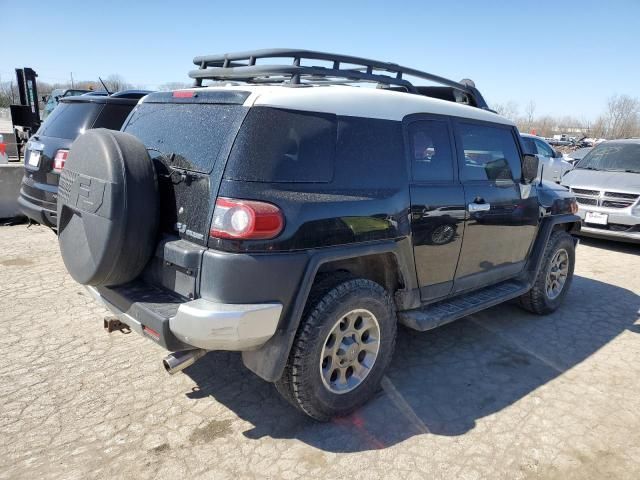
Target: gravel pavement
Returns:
[500, 394]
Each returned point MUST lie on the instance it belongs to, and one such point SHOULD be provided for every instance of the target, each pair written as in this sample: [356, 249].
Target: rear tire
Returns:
[555, 276]
[342, 348]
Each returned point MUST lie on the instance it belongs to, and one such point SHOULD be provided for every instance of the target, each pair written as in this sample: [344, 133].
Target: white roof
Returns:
[357, 102]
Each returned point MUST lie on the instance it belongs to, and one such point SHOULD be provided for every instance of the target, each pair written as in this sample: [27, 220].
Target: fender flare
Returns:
[268, 361]
[544, 233]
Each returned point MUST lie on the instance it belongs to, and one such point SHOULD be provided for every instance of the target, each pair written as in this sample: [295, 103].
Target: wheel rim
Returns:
[442, 234]
[558, 273]
[350, 351]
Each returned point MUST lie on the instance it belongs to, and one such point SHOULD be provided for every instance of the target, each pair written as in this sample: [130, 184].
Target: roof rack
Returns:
[242, 67]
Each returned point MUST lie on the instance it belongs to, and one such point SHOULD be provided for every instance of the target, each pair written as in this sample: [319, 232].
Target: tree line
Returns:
[114, 83]
[620, 119]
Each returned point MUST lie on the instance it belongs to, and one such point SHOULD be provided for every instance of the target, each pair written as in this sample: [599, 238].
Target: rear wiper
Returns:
[168, 156]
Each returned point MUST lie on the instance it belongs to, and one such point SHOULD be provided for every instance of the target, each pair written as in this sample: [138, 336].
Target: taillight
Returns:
[60, 159]
[245, 219]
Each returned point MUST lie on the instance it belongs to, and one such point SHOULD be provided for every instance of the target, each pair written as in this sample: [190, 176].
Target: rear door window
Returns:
[191, 134]
[490, 152]
[276, 145]
[68, 120]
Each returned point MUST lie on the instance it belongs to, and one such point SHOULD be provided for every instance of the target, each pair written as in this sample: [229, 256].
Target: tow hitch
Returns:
[111, 324]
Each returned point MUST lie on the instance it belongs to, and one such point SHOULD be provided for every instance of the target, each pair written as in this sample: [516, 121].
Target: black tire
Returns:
[537, 300]
[107, 208]
[331, 299]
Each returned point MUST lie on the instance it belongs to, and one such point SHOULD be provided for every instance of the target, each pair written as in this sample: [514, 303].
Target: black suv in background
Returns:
[299, 221]
[47, 150]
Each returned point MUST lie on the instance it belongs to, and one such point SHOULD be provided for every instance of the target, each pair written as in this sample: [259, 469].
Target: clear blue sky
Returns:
[568, 57]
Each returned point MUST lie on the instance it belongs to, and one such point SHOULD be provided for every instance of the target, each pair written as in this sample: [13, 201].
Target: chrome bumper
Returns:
[214, 326]
[223, 326]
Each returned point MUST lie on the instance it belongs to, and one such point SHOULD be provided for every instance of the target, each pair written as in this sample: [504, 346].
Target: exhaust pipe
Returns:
[178, 361]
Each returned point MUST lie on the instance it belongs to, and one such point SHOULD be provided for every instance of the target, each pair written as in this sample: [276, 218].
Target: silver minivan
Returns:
[606, 183]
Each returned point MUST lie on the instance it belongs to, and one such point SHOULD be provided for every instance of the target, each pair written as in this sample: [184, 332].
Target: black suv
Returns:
[297, 217]
[47, 150]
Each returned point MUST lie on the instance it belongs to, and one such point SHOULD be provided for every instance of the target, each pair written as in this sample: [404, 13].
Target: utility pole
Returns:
[71, 79]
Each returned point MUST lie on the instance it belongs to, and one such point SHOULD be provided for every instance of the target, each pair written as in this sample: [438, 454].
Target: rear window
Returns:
[193, 134]
[283, 146]
[68, 120]
[113, 116]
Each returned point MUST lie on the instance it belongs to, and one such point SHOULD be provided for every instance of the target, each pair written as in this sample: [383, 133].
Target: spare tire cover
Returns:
[107, 208]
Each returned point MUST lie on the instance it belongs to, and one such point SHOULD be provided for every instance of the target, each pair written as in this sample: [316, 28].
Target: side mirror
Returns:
[557, 154]
[529, 168]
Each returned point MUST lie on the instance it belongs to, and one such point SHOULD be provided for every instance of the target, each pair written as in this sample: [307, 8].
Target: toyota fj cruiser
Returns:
[294, 215]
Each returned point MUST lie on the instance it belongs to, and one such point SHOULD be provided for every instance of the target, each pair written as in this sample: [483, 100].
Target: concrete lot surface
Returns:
[501, 394]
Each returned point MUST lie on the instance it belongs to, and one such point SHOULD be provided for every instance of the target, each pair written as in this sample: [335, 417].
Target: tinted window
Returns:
[193, 134]
[370, 153]
[490, 152]
[544, 149]
[113, 116]
[68, 120]
[430, 149]
[277, 145]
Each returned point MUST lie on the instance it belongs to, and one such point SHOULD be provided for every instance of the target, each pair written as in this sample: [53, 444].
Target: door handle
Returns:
[479, 207]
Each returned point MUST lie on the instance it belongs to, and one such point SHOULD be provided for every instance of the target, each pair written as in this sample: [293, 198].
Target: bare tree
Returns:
[508, 109]
[621, 119]
[529, 114]
[8, 93]
[174, 86]
[115, 83]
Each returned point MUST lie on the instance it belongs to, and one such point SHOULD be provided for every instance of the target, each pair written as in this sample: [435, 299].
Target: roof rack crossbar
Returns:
[242, 66]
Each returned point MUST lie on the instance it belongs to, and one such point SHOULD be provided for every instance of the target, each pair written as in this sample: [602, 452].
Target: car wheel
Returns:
[555, 275]
[341, 350]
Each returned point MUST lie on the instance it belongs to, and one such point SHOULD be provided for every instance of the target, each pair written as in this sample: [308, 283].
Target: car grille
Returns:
[616, 204]
[587, 201]
[627, 196]
[582, 191]
[606, 199]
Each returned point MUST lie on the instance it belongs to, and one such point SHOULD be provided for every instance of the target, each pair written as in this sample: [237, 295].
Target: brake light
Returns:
[184, 94]
[60, 159]
[246, 220]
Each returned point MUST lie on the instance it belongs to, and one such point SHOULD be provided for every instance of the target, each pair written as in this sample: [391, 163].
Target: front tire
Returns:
[555, 276]
[341, 350]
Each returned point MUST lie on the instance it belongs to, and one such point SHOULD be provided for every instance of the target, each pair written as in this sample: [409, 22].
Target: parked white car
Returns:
[553, 165]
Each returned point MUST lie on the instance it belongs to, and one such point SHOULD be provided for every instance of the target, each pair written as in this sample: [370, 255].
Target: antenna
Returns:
[105, 87]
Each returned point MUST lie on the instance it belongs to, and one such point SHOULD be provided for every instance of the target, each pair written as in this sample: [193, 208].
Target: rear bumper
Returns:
[197, 323]
[38, 205]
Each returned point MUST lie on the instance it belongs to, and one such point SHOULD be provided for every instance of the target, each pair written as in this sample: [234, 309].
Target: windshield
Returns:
[617, 157]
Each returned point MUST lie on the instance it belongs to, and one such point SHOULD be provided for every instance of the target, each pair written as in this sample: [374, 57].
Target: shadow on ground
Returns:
[612, 245]
[440, 382]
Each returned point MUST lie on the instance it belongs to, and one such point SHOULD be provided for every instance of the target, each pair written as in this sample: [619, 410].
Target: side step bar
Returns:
[445, 311]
